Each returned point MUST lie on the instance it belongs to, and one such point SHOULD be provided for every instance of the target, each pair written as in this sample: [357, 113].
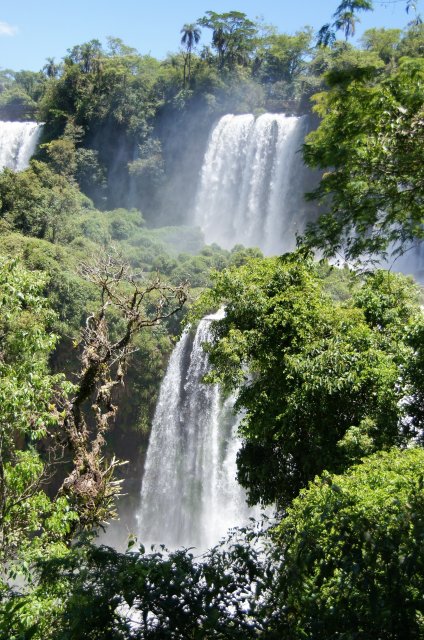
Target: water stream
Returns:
[190, 495]
[250, 189]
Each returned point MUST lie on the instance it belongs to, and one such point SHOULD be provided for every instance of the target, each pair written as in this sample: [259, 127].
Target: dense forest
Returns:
[323, 348]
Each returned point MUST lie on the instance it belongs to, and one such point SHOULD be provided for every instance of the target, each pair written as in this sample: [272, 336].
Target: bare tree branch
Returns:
[90, 412]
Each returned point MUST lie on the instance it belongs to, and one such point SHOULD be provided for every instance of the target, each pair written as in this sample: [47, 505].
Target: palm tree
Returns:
[51, 69]
[219, 41]
[346, 21]
[190, 38]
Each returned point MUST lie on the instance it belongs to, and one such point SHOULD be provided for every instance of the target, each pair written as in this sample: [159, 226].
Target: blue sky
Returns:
[31, 31]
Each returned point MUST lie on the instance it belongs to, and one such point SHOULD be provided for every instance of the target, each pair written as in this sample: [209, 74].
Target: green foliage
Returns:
[25, 342]
[30, 522]
[233, 36]
[328, 366]
[16, 104]
[19, 94]
[69, 295]
[111, 95]
[190, 38]
[147, 173]
[412, 44]
[385, 42]
[371, 136]
[346, 17]
[284, 56]
[39, 202]
[346, 560]
[51, 69]
[27, 204]
[281, 65]
[160, 595]
[353, 554]
[320, 382]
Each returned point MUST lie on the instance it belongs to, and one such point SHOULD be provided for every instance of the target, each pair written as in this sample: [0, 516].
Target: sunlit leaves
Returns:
[371, 135]
[29, 521]
[319, 382]
[353, 552]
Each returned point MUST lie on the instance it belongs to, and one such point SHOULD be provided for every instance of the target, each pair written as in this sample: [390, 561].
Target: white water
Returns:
[250, 189]
[190, 496]
[17, 144]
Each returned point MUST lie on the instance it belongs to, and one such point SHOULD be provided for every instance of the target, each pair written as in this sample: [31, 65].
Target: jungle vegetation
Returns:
[327, 364]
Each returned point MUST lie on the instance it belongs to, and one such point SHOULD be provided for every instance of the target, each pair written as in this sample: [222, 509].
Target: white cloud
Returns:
[6, 29]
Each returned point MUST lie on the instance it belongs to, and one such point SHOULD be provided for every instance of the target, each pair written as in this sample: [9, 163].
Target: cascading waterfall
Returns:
[250, 189]
[17, 144]
[190, 495]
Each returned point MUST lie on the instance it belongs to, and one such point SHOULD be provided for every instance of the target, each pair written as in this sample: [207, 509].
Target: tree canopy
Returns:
[346, 17]
[327, 365]
[370, 143]
[319, 382]
[233, 36]
[352, 545]
[31, 524]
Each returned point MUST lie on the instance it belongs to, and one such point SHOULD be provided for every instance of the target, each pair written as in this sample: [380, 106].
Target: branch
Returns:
[90, 412]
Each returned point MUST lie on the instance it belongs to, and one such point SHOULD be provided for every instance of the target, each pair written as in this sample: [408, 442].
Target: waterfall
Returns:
[190, 496]
[250, 189]
[17, 144]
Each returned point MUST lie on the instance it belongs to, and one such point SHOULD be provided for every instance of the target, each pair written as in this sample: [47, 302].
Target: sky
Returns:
[31, 31]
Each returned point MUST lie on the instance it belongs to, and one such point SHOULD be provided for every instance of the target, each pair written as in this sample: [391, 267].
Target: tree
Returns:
[346, 21]
[353, 553]
[159, 595]
[32, 82]
[87, 56]
[319, 383]
[90, 485]
[20, 92]
[371, 137]
[116, 47]
[113, 95]
[284, 56]
[30, 522]
[46, 422]
[16, 104]
[38, 201]
[76, 163]
[51, 69]
[384, 41]
[412, 43]
[233, 36]
[190, 38]
[345, 18]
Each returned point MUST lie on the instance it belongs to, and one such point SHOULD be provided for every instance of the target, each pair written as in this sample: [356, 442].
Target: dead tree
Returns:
[91, 485]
